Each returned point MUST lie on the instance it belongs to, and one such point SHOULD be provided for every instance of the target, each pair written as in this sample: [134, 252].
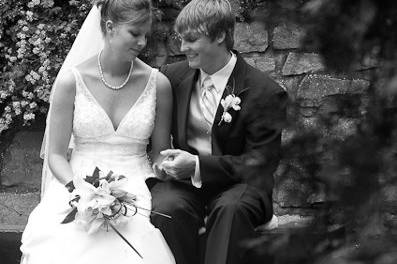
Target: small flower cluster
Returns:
[39, 34]
[230, 102]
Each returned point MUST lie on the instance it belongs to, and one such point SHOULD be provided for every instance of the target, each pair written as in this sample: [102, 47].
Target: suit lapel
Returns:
[185, 93]
[235, 85]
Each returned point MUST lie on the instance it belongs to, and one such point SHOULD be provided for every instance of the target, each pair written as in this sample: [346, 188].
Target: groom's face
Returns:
[200, 51]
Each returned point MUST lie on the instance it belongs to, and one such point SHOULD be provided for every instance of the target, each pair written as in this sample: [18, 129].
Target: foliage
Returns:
[355, 223]
[35, 37]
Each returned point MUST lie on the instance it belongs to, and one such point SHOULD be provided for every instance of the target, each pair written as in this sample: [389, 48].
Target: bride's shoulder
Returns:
[65, 86]
[146, 70]
[66, 80]
[162, 83]
[88, 67]
[142, 67]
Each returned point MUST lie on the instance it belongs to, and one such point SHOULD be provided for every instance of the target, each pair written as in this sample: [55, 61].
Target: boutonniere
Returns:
[231, 101]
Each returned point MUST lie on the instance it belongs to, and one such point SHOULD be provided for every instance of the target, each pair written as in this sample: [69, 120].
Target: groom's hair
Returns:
[124, 11]
[209, 18]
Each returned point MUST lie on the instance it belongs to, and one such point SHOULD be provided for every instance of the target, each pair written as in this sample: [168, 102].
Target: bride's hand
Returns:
[160, 173]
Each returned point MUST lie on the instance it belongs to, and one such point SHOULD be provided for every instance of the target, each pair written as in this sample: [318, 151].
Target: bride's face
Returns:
[128, 40]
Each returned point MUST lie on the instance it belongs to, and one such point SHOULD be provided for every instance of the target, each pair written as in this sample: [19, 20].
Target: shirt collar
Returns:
[220, 78]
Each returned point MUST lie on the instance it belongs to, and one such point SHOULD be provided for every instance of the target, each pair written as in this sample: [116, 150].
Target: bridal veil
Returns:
[88, 42]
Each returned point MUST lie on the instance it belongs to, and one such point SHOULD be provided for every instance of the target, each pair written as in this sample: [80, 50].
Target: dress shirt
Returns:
[204, 146]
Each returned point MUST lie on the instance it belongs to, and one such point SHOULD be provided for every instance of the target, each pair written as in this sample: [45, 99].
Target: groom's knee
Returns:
[170, 205]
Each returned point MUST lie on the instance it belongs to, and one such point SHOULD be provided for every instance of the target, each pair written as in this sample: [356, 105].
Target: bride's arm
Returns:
[162, 126]
[61, 127]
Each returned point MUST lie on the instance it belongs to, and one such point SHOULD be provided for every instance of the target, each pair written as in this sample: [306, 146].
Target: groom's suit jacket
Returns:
[248, 148]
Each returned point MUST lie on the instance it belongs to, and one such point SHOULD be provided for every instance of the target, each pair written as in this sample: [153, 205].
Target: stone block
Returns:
[294, 221]
[349, 105]
[250, 37]
[307, 108]
[15, 209]
[265, 63]
[309, 123]
[390, 221]
[359, 86]
[292, 193]
[286, 222]
[287, 36]
[22, 163]
[290, 84]
[316, 87]
[279, 57]
[344, 128]
[390, 194]
[292, 185]
[299, 63]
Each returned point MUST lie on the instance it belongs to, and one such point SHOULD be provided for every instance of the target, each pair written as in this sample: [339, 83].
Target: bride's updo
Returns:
[124, 11]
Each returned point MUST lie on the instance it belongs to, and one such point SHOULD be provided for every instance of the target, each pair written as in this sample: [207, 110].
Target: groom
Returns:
[227, 123]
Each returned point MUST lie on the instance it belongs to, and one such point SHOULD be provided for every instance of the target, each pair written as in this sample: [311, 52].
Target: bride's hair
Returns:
[124, 11]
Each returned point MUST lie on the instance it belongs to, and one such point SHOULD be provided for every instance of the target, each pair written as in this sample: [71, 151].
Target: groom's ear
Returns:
[221, 37]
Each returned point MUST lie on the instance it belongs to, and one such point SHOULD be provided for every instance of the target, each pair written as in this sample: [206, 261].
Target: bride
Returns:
[109, 102]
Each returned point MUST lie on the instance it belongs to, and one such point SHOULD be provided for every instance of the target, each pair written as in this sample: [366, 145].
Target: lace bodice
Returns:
[93, 130]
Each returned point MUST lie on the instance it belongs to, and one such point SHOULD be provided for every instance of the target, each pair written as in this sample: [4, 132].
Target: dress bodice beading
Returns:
[93, 130]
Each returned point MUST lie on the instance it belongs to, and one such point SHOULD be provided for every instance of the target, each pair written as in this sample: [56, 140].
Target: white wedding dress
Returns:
[122, 150]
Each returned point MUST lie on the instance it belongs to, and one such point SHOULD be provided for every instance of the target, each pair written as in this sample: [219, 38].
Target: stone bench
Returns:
[15, 207]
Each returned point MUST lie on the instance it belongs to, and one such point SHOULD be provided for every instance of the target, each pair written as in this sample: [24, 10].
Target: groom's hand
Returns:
[178, 164]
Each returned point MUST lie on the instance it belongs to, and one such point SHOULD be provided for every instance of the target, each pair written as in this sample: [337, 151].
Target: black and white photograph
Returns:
[198, 132]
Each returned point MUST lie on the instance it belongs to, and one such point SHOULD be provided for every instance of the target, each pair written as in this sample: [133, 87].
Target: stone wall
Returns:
[274, 49]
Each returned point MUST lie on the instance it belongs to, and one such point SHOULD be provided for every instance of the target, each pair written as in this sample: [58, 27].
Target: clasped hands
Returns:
[177, 164]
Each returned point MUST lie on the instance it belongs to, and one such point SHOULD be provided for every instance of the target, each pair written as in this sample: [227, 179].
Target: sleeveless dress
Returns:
[122, 150]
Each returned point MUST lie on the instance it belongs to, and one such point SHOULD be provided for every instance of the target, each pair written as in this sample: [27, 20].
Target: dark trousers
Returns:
[233, 214]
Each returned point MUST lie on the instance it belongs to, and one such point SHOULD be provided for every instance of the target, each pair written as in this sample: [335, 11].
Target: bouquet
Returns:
[100, 201]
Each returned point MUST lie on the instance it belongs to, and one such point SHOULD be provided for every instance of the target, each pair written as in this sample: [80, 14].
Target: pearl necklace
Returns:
[113, 87]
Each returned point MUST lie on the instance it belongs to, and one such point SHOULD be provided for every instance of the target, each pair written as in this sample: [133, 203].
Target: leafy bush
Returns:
[35, 37]
[356, 221]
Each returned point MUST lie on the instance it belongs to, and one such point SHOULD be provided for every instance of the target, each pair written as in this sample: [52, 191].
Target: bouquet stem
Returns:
[126, 241]
[154, 212]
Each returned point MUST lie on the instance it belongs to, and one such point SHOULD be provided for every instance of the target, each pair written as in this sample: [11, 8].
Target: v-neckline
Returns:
[115, 129]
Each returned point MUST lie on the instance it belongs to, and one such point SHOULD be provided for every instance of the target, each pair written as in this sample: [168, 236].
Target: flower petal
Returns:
[227, 117]
[223, 103]
[236, 100]
[236, 107]
[228, 100]
[95, 225]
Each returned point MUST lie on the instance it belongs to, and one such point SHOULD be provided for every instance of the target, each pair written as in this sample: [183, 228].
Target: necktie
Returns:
[208, 100]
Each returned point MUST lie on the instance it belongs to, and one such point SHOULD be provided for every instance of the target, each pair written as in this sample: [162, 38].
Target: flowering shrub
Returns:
[35, 37]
